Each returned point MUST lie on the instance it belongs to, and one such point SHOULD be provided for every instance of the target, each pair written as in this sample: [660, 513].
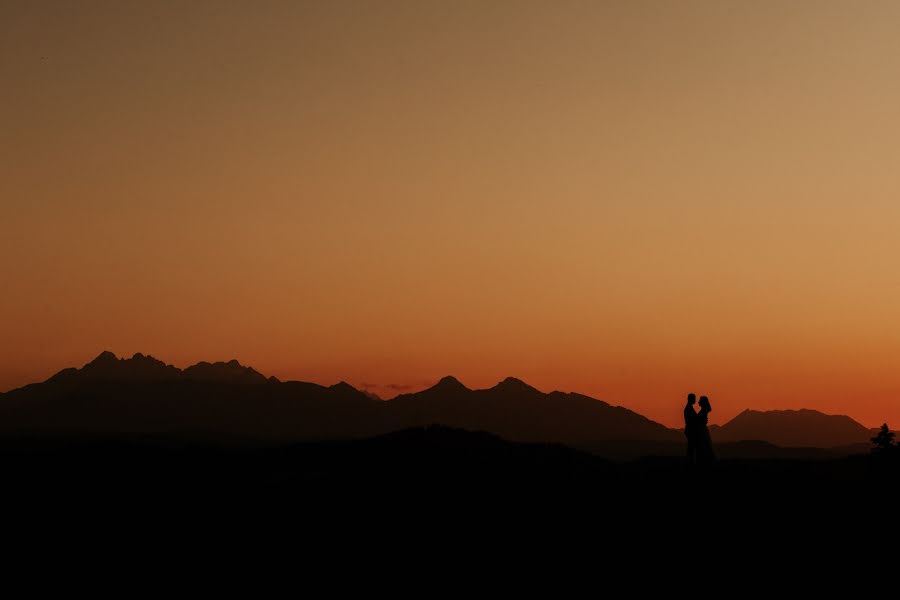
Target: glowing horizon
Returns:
[626, 200]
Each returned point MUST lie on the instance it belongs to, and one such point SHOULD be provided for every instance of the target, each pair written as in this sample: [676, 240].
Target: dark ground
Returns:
[466, 504]
[417, 463]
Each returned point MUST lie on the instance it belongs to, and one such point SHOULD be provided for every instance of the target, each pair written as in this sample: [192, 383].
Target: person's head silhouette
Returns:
[704, 404]
[691, 399]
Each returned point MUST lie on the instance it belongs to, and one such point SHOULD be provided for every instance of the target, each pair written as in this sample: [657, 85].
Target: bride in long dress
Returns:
[705, 454]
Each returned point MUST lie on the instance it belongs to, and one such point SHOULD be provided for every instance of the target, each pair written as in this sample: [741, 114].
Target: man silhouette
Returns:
[690, 429]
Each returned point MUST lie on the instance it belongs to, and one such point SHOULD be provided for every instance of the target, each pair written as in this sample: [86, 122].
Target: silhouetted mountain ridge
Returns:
[793, 428]
[513, 384]
[108, 367]
[144, 395]
[450, 383]
[230, 372]
[142, 368]
[519, 412]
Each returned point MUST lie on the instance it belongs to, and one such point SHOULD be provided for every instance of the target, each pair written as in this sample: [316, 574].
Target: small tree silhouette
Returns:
[884, 441]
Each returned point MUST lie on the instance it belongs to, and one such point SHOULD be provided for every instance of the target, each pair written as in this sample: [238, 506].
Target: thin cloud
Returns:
[400, 387]
[396, 387]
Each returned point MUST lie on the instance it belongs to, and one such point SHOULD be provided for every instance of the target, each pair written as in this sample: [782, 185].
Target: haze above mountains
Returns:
[229, 401]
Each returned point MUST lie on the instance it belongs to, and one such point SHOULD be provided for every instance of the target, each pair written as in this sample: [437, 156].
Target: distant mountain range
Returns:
[228, 401]
[793, 428]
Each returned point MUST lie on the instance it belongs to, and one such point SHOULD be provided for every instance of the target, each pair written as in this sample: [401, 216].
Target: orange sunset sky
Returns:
[631, 199]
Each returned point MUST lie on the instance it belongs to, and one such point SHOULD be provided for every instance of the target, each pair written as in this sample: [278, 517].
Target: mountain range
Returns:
[793, 428]
[226, 400]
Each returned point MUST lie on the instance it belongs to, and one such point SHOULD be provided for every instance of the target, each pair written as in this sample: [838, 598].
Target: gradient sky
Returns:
[629, 199]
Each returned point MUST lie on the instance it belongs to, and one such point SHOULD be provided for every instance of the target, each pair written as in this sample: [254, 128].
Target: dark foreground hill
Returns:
[429, 491]
[436, 459]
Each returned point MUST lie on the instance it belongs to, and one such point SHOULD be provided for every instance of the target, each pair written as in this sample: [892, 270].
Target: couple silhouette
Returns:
[699, 443]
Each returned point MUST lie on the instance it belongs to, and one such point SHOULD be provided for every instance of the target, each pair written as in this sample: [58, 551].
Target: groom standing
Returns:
[690, 429]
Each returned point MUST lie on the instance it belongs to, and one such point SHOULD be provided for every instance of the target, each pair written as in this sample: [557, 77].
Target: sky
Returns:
[632, 200]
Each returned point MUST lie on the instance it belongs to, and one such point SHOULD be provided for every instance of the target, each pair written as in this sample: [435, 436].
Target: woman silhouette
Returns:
[705, 454]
